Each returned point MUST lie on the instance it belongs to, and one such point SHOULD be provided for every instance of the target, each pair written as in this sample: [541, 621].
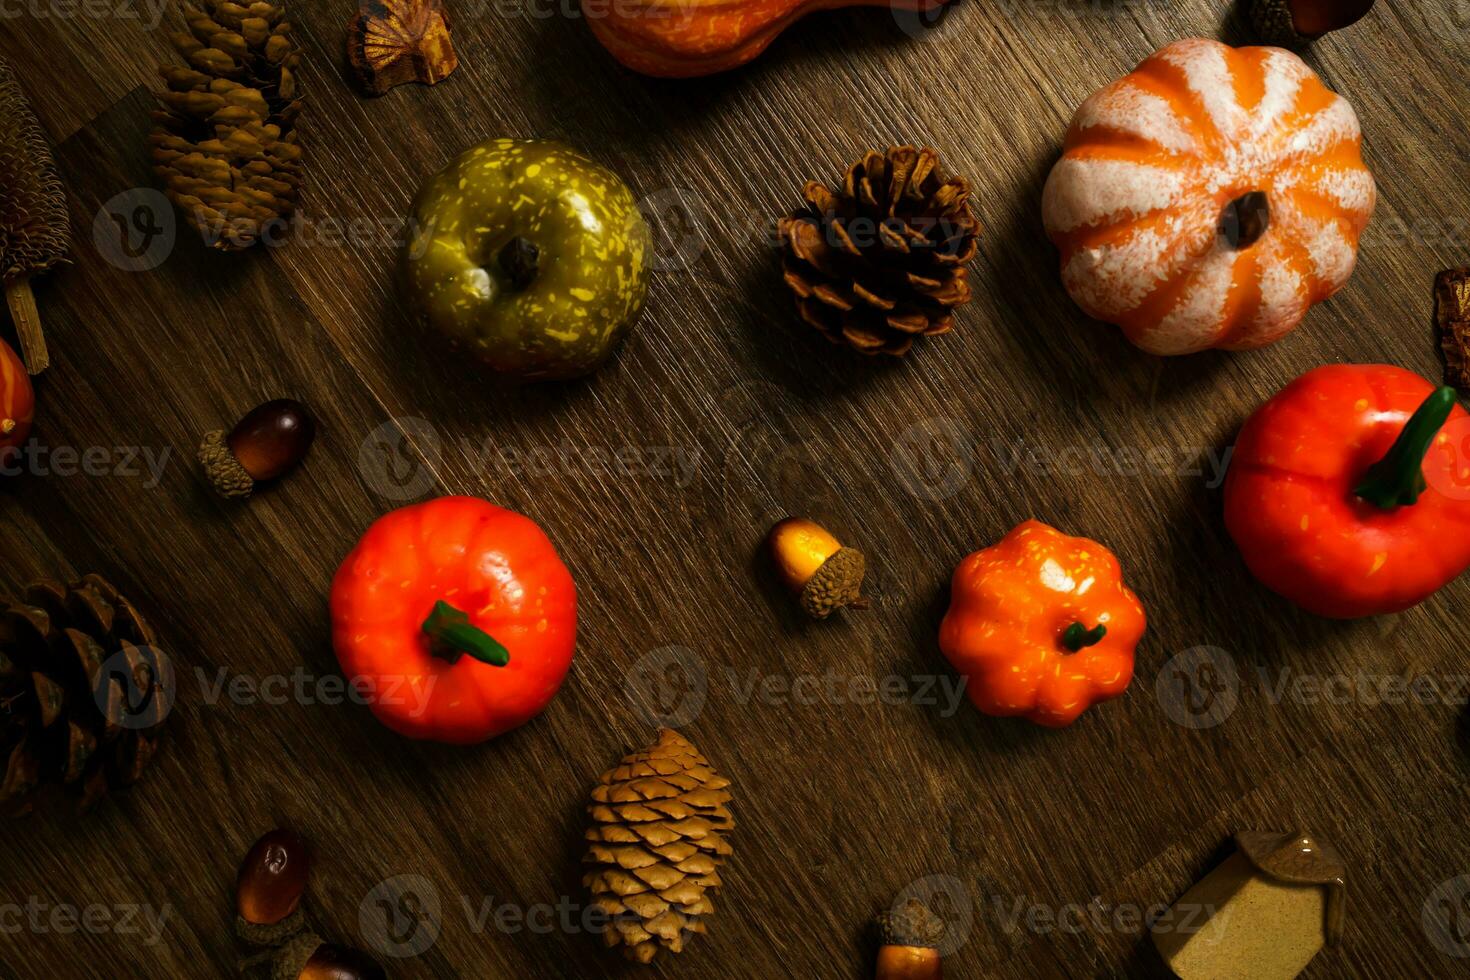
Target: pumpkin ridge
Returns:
[1244, 302]
[1171, 84]
[1120, 230]
[1152, 315]
[1129, 148]
[1248, 77]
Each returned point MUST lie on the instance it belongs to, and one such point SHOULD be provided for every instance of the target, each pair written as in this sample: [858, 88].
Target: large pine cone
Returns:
[883, 261]
[225, 142]
[83, 693]
[658, 831]
[35, 232]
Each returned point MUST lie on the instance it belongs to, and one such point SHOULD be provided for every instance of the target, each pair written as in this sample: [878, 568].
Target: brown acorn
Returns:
[1297, 23]
[269, 889]
[909, 936]
[815, 565]
[309, 957]
[267, 443]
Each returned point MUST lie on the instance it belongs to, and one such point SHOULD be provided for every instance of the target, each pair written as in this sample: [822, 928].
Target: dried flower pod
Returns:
[909, 935]
[391, 42]
[267, 443]
[816, 566]
[309, 958]
[1452, 317]
[1297, 23]
[269, 888]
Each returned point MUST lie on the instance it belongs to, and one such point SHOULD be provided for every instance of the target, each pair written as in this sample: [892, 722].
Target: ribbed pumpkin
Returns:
[1209, 198]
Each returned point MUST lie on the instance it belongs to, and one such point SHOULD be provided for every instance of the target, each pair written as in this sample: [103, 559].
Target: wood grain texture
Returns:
[733, 414]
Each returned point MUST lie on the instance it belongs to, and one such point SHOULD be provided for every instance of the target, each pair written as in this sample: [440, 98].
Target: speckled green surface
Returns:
[593, 245]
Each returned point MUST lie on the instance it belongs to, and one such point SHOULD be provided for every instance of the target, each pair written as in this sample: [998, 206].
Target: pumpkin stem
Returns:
[1245, 220]
[519, 260]
[1077, 636]
[1397, 479]
[451, 635]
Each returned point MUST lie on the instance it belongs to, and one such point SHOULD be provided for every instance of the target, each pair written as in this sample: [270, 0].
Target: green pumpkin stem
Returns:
[1077, 636]
[1397, 479]
[451, 635]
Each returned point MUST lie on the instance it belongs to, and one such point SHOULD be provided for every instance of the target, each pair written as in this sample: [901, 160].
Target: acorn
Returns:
[815, 565]
[308, 957]
[1297, 23]
[267, 443]
[910, 935]
[269, 888]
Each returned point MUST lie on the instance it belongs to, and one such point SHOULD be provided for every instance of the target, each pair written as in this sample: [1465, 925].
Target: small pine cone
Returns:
[224, 143]
[657, 840]
[882, 261]
[66, 716]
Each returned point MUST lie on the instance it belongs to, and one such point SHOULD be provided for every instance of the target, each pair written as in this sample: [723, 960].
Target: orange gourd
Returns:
[687, 38]
[1209, 198]
[17, 401]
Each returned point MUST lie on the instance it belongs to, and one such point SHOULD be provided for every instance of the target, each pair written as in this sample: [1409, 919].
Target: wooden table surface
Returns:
[657, 479]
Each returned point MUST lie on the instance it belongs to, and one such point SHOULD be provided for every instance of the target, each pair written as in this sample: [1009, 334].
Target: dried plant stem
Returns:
[27, 319]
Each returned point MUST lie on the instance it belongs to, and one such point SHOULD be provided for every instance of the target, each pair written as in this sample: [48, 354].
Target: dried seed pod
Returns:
[816, 566]
[909, 936]
[391, 42]
[267, 443]
[269, 888]
[1297, 23]
[307, 957]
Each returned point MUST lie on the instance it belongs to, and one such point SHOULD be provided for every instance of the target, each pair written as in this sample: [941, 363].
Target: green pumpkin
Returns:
[529, 256]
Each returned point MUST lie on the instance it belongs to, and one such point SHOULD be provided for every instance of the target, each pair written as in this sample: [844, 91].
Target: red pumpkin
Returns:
[1209, 198]
[17, 400]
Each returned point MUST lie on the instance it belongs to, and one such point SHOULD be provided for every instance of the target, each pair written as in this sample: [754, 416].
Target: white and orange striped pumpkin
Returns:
[1209, 198]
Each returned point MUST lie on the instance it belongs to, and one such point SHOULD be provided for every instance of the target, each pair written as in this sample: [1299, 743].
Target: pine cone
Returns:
[883, 261]
[225, 142]
[35, 232]
[66, 716]
[658, 831]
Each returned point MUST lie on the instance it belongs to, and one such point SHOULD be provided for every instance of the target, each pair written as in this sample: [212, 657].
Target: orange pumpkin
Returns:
[1209, 198]
[17, 400]
[686, 38]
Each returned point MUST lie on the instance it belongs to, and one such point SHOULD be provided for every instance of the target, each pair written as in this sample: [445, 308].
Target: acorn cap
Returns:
[910, 924]
[226, 475]
[291, 960]
[838, 583]
[269, 933]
